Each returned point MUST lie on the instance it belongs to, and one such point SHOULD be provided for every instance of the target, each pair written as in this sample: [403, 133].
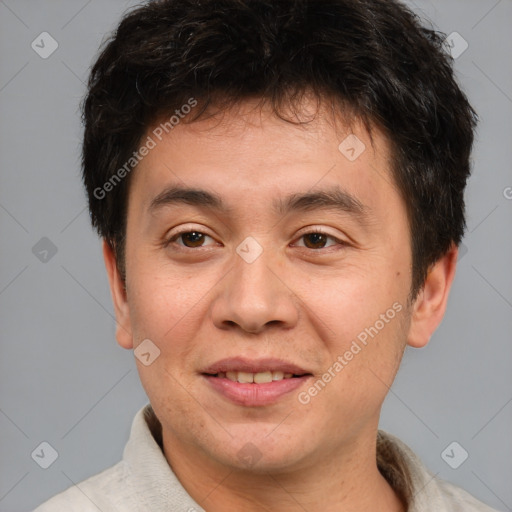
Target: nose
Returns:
[254, 296]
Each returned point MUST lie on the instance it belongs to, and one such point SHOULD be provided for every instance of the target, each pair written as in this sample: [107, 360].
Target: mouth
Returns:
[256, 378]
[254, 383]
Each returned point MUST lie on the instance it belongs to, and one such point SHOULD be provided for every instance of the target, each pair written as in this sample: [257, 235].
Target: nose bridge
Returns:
[253, 294]
[253, 275]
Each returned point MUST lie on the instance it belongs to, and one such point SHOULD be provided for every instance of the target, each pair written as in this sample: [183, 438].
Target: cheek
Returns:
[367, 319]
[164, 304]
[360, 371]
[355, 299]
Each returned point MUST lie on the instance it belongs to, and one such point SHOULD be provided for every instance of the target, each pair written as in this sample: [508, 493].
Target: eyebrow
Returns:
[333, 198]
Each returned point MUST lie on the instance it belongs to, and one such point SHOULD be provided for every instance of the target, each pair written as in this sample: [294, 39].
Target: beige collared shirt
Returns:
[143, 481]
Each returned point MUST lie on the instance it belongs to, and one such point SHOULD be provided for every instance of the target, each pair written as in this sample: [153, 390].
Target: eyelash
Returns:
[176, 236]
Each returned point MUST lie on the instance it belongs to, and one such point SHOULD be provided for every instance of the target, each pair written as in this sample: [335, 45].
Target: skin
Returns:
[299, 301]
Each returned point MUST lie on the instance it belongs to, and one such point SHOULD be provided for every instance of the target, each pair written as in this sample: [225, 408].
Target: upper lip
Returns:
[242, 364]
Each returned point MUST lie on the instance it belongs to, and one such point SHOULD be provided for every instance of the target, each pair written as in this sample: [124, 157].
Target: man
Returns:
[279, 187]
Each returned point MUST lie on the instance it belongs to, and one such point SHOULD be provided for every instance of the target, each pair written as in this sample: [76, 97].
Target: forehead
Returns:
[249, 154]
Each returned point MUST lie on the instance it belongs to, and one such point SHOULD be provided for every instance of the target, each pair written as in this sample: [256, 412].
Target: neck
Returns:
[346, 479]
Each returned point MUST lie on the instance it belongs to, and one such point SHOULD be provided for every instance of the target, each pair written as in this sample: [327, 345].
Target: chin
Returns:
[256, 451]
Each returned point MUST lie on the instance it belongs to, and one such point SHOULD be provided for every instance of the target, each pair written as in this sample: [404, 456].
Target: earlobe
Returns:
[123, 325]
[430, 304]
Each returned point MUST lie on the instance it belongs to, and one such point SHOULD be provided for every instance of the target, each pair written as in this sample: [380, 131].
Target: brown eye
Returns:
[315, 240]
[190, 239]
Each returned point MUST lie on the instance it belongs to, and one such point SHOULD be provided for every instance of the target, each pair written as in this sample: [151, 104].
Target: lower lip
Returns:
[254, 395]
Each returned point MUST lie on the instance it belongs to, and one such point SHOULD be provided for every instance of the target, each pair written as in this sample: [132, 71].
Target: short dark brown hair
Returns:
[372, 56]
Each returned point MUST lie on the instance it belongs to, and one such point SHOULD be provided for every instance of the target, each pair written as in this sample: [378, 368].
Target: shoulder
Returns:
[423, 490]
[142, 482]
[98, 492]
[457, 499]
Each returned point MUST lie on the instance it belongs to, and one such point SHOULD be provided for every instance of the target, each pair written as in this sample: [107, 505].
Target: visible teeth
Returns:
[262, 377]
[232, 376]
[258, 378]
[245, 377]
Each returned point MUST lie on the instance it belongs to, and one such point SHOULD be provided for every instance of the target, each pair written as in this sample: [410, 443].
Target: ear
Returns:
[430, 304]
[123, 325]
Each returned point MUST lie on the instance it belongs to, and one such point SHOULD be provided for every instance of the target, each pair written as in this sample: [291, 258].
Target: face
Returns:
[276, 293]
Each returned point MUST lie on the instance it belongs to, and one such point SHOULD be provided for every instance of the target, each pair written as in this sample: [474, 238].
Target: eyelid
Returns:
[174, 235]
[318, 229]
[186, 228]
[314, 229]
[183, 229]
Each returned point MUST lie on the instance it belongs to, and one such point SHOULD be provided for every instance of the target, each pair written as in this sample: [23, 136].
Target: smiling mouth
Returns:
[255, 378]
[255, 382]
[255, 389]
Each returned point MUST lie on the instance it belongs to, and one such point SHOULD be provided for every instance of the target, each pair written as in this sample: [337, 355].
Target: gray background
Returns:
[64, 380]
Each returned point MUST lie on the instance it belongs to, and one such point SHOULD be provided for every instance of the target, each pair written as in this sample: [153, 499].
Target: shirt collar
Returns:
[159, 488]
[149, 472]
